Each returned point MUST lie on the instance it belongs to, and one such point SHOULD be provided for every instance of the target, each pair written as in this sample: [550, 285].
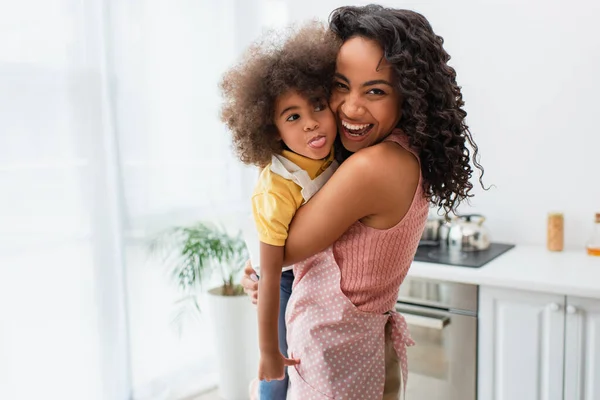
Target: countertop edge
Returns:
[528, 268]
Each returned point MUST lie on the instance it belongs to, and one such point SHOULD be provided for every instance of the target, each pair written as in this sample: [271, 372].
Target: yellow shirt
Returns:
[276, 199]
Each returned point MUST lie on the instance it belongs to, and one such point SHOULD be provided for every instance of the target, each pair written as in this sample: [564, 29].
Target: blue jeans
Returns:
[277, 390]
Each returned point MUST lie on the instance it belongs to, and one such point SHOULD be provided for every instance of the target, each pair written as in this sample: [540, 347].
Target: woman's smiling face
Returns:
[364, 98]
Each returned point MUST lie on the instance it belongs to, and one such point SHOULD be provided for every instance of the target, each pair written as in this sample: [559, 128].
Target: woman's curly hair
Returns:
[432, 113]
[304, 62]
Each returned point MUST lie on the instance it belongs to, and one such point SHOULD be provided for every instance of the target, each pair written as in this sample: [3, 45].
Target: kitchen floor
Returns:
[213, 395]
[434, 392]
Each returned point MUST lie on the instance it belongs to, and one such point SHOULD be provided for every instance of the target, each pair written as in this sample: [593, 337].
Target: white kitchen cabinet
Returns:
[582, 349]
[521, 345]
[537, 346]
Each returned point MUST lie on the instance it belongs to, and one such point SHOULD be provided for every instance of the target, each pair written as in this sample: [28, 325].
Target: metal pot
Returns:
[431, 233]
[444, 233]
[467, 233]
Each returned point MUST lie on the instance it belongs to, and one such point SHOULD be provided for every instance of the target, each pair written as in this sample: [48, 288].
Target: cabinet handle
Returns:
[554, 307]
[423, 320]
[426, 321]
[571, 309]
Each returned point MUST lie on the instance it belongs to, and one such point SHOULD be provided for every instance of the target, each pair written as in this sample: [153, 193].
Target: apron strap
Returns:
[401, 340]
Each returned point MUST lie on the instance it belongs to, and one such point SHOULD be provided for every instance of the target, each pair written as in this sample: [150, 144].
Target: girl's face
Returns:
[307, 128]
[364, 98]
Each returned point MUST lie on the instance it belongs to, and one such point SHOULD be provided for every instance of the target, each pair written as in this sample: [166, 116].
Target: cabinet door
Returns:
[521, 345]
[582, 349]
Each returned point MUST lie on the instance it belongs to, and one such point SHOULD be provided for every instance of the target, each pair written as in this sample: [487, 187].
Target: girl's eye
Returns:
[339, 85]
[320, 107]
[376, 91]
[292, 117]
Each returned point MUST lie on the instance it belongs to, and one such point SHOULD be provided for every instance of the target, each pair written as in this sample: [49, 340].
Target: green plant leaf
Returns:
[191, 254]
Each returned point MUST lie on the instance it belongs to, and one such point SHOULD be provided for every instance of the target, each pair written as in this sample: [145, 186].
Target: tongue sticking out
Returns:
[317, 143]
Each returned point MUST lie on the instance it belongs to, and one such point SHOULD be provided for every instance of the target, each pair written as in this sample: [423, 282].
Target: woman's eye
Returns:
[339, 85]
[292, 117]
[376, 91]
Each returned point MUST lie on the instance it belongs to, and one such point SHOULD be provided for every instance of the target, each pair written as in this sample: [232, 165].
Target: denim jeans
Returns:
[277, 390]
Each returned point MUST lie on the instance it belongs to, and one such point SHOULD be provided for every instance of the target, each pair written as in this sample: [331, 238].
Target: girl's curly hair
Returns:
[304, 62]
[432, 114]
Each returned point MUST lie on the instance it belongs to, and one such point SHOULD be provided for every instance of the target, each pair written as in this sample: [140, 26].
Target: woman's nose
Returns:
[353, 108]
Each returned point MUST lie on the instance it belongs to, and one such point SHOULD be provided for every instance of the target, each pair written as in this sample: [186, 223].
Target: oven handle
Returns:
[437, 322]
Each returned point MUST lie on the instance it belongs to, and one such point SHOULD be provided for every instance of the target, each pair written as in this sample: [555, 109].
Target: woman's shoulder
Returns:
[388, 161]
[388, 175]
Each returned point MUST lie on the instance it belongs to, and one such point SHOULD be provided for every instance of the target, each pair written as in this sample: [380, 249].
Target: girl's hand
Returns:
[250, 282]
[272, 366]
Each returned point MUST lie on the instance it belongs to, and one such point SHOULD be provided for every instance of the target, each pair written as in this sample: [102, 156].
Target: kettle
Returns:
[431, 231]
[467, 233]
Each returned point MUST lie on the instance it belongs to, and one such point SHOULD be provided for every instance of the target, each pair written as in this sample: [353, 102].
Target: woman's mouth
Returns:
[355, 130]
[317, 142]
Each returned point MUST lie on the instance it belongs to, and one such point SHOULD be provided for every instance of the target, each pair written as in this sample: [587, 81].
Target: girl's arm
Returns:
[272, 362]
[375, 185]
[271, 260]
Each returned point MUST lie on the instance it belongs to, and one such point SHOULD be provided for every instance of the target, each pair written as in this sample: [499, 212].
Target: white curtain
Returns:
[53, 137]
[109, 131]
[177, 167]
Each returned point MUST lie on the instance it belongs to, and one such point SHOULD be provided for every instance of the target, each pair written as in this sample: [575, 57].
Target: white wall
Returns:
[529, 75]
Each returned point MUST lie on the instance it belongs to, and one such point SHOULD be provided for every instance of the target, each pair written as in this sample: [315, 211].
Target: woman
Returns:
[395, 99]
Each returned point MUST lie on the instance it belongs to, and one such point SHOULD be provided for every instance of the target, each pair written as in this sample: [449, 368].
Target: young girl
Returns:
[276, 108]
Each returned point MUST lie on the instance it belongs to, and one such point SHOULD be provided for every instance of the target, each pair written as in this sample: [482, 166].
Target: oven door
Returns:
[442, 365]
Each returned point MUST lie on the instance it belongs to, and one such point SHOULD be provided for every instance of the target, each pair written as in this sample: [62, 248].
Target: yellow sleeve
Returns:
[274, 204]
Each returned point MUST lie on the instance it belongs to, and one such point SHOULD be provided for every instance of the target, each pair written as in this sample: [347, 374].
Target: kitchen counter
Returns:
[526, 267]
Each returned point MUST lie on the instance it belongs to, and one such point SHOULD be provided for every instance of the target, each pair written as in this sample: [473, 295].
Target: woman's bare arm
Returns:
[376, 185]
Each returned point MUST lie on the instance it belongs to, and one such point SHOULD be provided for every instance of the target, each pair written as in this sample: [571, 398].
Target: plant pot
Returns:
[234, 322]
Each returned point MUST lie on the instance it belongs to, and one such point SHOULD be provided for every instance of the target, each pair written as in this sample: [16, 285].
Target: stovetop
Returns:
[473, 259]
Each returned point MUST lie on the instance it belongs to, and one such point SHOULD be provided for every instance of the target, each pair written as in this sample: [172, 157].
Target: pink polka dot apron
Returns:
[341, 349]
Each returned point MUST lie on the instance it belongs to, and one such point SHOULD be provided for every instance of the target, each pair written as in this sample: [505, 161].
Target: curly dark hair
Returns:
[432, 113]
[304, 61]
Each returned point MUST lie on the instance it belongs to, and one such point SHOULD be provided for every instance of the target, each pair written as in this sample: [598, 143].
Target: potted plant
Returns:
[192, 255]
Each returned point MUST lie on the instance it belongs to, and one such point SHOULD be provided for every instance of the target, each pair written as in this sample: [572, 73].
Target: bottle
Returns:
[555, 232]
[593, 245]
